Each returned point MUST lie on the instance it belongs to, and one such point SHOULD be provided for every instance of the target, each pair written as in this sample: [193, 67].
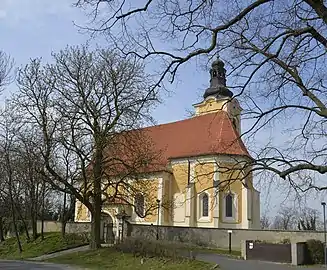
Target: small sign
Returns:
[229, 231]
[250, 245]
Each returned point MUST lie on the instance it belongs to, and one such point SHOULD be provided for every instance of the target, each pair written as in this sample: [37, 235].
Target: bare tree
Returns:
[276, 54]
[308, 219]
[85, 104]
[286, 219]
[10, 189]
[265, 222]
[6, 66]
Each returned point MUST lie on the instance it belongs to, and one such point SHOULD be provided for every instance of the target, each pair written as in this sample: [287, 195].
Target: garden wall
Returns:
[71, 227]
[214, 237]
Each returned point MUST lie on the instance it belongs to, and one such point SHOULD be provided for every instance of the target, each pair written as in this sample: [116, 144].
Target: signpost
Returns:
[230, 241]
[325, 247]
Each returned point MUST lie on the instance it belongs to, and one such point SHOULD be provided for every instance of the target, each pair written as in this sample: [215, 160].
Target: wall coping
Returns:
[224, 229]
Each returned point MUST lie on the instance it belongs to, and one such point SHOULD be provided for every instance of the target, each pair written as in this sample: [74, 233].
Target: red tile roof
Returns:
[201, 135]
[209, 134]
[150, 149]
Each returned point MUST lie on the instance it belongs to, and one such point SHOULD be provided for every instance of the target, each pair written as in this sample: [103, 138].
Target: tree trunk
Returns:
[24, 224]
[95, 241]
[33, 209]
[42, 211]
[63, 218]
[1, 230]
[97, 203]
[12, 206]
[14, 222]
[34, 224]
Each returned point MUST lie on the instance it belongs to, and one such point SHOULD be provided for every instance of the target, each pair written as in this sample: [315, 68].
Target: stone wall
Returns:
[212, 237]
[71, 227]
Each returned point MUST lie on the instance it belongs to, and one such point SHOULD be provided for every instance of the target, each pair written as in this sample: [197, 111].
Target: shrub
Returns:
[316, 251]
[148, 248]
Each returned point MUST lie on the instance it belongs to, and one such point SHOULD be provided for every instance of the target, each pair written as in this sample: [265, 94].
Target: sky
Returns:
[35, 28]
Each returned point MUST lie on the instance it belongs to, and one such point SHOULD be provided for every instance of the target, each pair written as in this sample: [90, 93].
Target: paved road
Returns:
[19, 265]
[227, 263]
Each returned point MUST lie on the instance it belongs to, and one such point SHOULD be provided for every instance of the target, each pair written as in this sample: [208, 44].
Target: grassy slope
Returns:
[52, 242]
[108, 258]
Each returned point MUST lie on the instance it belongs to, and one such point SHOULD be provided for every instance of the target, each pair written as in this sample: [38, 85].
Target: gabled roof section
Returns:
[201, 135]
[150, 149]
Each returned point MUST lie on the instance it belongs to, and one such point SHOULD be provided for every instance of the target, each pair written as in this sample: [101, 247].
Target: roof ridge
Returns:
[183, 120]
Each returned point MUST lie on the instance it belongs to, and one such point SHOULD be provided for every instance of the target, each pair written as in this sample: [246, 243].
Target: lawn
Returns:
[52, 242]
[108, 258]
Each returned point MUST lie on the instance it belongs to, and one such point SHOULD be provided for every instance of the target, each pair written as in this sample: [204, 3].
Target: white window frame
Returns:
[234, 217]
[200, 210]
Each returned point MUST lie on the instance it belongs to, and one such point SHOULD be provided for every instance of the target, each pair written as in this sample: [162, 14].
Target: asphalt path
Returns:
[22, 265]
[227, 263]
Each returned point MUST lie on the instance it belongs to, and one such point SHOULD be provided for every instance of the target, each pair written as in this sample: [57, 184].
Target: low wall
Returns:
[214, 237]
[71, 227]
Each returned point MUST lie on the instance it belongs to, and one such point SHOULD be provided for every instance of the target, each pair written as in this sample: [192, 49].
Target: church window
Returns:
[139, 204]
[205, 205]
[229, 205]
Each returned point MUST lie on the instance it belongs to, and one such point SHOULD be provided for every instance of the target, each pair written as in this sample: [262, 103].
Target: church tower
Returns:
[218, 97]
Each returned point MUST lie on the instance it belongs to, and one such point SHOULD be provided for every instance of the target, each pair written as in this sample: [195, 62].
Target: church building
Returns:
[202, 173]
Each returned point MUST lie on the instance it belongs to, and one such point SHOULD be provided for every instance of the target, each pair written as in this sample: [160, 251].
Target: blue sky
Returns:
[35, 28]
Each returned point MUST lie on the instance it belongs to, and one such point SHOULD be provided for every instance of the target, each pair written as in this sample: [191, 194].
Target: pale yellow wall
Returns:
[204, 173]
[179, 181]
[212, 105]
[167, 200]
[209, 106]
[149, 187]
[234, 185]
[81, 213]
[203, 181]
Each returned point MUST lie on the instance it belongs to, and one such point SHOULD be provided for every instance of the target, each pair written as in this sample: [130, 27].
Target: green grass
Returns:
[108, 258]
[52, 242]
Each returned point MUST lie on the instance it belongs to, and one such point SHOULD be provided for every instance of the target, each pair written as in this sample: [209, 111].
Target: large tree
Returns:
[6, 67]
[276, 57]
[84, 104]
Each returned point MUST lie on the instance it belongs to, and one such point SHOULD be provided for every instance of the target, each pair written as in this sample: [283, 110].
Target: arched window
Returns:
[139, 204]
[229, 205]
[205, 205]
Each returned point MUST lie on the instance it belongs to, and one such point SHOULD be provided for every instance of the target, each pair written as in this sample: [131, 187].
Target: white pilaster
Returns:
[160, 197]
[216, 206]
[215, 214]
[189, 207]
[245, 207]
[77, 203]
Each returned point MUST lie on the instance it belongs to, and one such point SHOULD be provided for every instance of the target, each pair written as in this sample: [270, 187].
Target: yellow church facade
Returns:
[203, 182]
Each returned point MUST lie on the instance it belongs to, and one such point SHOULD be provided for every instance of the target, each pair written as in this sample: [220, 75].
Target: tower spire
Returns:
[218, 87]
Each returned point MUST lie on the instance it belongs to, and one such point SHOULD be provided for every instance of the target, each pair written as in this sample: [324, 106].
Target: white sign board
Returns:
[229, 231]
[250, 245]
